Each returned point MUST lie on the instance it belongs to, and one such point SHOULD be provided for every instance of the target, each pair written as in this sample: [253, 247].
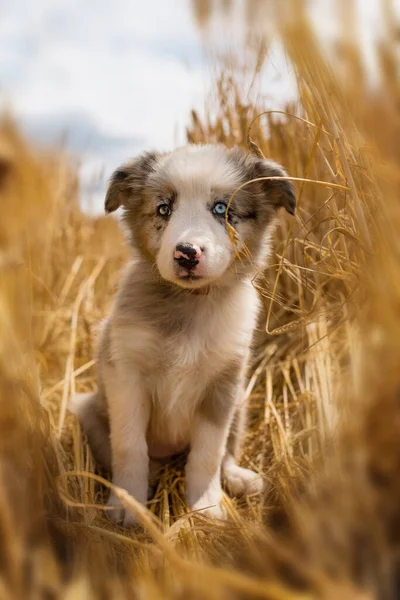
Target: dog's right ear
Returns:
[117, 189]
[128, 181]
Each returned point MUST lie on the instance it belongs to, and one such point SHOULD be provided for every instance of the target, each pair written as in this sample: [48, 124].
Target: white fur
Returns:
[203, 468]
[194, 169]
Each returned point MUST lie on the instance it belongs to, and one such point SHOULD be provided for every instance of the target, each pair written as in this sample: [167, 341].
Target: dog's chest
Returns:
[193, 356]
[189, 360]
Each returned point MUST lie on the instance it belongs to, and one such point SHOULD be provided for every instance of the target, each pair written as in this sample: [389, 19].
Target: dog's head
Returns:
[175, 206]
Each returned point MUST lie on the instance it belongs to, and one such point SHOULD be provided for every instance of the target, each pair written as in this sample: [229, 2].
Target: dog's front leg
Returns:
[129, 411]
[209, 435]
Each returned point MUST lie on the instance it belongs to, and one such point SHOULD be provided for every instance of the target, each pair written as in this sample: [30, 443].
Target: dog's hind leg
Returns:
[90, 410]
[238, 480]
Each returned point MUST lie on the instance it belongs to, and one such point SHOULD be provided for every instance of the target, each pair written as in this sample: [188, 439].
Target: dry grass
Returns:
[324, 411]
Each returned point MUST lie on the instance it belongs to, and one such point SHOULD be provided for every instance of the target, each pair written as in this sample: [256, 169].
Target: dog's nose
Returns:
[187, 255]
[187, 251]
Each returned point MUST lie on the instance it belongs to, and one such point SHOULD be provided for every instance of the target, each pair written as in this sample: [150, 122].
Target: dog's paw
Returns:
[242, 482]
[216, 511]
[210, 504]
[78, 403]
[119, 514]
[130, 520]
[115, 509]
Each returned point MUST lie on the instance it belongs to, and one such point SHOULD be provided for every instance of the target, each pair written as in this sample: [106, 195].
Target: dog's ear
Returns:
[277, 192]
[128, 181]
[117, 189]
[270, 193]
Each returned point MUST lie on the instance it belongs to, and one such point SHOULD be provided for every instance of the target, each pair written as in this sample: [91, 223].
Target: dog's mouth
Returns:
[190, 277]
[192, 283]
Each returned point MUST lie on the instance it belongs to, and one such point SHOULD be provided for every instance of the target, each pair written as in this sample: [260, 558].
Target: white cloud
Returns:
[105, 64]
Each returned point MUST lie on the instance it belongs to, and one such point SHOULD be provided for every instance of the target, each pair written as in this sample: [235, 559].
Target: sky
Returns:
[111, 78]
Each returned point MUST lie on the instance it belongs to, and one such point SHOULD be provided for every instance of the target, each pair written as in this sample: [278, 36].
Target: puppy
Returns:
[173, 353]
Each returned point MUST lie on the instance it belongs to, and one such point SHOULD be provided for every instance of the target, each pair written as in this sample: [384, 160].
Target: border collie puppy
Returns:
[173, 353]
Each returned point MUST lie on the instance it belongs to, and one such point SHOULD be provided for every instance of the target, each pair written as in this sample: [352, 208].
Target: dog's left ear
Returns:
[278, 192]
[127, 182]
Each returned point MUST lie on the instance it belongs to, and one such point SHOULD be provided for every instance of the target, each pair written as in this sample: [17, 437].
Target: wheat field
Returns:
[324, 405]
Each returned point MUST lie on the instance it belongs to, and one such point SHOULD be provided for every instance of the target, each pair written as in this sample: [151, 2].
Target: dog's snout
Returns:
[187, 255]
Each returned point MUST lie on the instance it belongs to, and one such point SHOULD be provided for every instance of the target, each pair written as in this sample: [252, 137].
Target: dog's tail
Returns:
[89, 408]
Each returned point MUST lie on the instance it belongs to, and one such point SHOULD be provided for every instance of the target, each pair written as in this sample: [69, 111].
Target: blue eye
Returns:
[164, 210]
[219, 209]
